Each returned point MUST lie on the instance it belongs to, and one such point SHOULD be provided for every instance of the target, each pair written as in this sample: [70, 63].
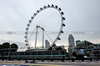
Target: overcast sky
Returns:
[82, 19]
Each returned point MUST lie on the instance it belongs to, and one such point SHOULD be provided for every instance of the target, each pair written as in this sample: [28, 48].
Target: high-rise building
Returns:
[47, 44]
[71, 45]
[71, 41]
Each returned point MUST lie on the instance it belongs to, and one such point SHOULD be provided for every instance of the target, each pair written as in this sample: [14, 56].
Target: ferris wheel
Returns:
[45, 25]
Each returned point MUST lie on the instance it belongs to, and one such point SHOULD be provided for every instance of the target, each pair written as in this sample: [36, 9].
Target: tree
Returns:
[59, 48]
[54, 47]
[5, 47]
[14, 47]
[67, 54]
[0, 48]
[50, 48]
[74, 53]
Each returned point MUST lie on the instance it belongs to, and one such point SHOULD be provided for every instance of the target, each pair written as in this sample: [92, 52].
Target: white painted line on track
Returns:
[21, 61]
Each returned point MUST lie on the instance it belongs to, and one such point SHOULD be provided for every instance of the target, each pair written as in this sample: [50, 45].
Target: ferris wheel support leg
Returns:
[36, 36]
[43, 39]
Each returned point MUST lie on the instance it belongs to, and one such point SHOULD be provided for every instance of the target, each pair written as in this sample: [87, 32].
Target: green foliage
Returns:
[54, 47]
[59, 48]
[74, 53]
[6, 45]
[50, 48]
[0, 48]
[67, 54]
[14, 47]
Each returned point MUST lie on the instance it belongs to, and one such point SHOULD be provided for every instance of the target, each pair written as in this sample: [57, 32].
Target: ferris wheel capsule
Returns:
[25, 32]
[62, 13]
[30, 21]
[62, 31]
[48, 5]
[59, 38]
[28, 24]
[56, 6]
[52, 5]
[44, 6]
[26, 28]
[37, 11]
[26, 44]
[25, 36]
[26, 40]
[63, 24]
[34, 14]
[41, 9]
[32, 17]
[63, 18]
[59, 9]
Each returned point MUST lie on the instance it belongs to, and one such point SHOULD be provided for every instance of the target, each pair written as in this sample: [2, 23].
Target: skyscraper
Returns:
[47, 44]
[71, 45]
[71, 41]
